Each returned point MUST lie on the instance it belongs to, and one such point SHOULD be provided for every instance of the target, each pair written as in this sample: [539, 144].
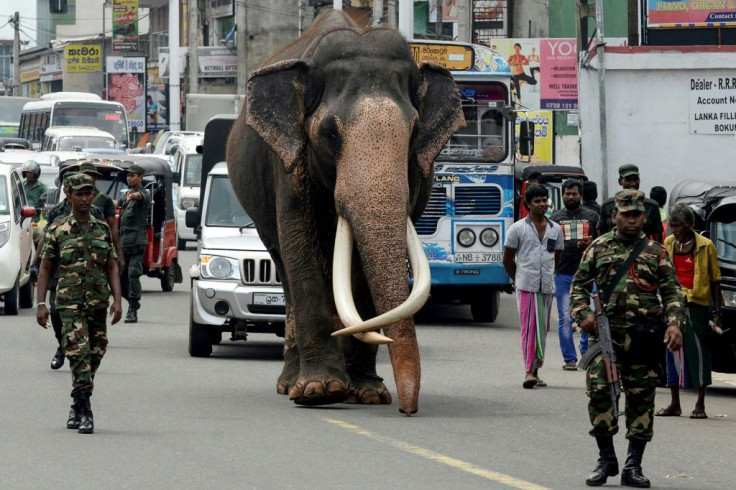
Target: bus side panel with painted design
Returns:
[471, 207]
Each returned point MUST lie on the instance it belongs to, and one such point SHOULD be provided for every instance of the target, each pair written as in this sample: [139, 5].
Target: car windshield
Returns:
[193, 173]
[83, 142]
[223, 208]
[725, 241]
[4, 204]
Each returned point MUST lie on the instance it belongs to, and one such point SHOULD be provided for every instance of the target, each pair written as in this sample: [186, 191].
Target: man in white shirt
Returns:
[532, 250]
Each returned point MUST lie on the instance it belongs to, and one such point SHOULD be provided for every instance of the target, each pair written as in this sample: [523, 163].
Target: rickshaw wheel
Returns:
[168, 277]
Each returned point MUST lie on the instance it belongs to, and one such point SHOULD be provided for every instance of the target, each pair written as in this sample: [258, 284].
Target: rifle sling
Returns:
[623, 269]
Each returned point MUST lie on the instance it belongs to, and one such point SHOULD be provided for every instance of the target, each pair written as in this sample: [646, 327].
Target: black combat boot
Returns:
[607, 463]
[631, 475]
[86, 422]
[73, 420]
[58, 360]
[132, 316]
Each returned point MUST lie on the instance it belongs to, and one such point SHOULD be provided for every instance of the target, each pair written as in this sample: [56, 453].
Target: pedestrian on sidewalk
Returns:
[531, 252]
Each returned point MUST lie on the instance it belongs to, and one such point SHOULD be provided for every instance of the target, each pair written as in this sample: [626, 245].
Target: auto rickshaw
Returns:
[714, 206]
[161, 258]
[552, 177]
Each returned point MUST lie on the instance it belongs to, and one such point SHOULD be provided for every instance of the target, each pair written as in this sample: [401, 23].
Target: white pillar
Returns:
[337, 4]
[377, 17]
[406, 18]
[194, 27]
[174, 69]
[241, 37]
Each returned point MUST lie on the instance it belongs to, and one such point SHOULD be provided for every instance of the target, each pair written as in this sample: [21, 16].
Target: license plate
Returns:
[477, 257]
[270, 299]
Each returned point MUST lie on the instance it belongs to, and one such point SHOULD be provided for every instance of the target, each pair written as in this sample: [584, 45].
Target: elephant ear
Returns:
[276, 109]
[441, 113]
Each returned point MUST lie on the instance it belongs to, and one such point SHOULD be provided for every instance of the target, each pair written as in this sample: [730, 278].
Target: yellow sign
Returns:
[30, 71]
[543, 137]
[451, 57]
[83, 58]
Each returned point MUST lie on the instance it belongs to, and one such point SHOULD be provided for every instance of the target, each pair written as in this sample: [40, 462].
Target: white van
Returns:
[187, 165]
[235, 287]
[77, 138]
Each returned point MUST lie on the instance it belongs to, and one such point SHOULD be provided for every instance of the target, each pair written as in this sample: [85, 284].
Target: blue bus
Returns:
[472, 202]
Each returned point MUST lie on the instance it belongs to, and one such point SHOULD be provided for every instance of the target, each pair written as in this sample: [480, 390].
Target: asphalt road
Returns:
[165, 420]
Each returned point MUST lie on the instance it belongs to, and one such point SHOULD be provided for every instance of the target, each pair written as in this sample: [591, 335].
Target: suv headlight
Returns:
[4, 233]
[188, 202]
[218, 267]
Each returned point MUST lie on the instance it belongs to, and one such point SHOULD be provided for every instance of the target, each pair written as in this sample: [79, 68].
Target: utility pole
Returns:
[15, 20]
[242, 38]
[600, 42]
[406, 18]
[633, 22]
[438, 20]
[300, 19]
[174, 68]
[464, 21]
[193, 47]
[392, 14]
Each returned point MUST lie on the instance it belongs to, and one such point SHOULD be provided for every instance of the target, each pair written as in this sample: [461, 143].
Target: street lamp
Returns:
[104, 57]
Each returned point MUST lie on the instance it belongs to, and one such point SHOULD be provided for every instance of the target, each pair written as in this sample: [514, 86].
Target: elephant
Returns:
[333, 152]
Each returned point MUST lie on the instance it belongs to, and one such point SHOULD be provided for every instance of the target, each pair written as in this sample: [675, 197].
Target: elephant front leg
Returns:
[366, 387]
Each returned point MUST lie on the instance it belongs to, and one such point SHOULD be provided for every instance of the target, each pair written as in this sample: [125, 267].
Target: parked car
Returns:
[187, 175]
[235, 287]
[16, 242]
[165, 142]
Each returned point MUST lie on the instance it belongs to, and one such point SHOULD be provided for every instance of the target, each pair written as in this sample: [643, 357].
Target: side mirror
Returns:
[508, 113]
[526, 138]
[27, 212]
[191, 217]
[176, 176]
[149, 148]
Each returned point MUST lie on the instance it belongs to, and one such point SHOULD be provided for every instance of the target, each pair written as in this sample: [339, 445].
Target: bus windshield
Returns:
[223, 207]
[106, 118]
[485, 138]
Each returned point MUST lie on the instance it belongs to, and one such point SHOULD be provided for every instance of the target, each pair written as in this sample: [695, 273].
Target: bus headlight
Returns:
[466, 237]
[489, 237]
[729, 298]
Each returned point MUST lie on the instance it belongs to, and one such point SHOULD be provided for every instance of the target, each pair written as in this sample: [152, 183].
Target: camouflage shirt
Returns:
[81, 259]
[634, 300]
[64, 208]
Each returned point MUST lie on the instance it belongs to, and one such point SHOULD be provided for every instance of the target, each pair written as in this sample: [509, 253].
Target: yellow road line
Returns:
[440, 458]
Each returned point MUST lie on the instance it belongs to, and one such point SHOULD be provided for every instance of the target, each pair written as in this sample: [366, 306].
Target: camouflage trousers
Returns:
[84, 338]
[639, 383]
[130, 276]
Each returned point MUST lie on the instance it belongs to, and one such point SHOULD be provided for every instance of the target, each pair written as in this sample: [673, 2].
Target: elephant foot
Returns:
[290, 373]
[319, 392]
[368, 391]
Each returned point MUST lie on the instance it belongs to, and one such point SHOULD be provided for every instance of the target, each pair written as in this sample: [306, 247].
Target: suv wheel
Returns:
[200, 340]
[11, 300]
[181, 244]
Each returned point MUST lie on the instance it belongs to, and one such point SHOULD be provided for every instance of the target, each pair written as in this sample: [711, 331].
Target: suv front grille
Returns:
[260, 271]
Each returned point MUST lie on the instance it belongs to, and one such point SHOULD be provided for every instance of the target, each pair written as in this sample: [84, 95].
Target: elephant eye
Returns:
[329, 132]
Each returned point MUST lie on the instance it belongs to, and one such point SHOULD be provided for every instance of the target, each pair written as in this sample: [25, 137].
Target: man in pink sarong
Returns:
[532, 250]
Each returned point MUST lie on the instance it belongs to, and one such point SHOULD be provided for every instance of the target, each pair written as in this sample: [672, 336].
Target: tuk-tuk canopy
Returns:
[702, 197]
[725, 210]
[554, 172]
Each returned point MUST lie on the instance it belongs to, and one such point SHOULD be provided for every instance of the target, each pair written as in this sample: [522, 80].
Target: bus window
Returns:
[44, 120]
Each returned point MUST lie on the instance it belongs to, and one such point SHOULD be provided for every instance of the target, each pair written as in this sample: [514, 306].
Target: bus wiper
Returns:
[727, 243]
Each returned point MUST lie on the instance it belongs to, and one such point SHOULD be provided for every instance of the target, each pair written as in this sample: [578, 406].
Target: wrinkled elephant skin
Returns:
[342, 122]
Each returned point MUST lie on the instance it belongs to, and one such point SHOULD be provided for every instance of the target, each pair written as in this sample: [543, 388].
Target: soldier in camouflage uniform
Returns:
[632, 310]
[60, 211]
[80, 250]
[133, 219]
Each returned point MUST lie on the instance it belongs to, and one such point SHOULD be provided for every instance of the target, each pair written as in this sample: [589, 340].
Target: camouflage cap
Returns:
[136, 169]
[89, 168]
[77, 181]
[628, 169]
[629, 200]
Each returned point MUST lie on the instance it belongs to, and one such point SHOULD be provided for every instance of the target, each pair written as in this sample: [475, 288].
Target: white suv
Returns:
[16, 242]
[235, 287]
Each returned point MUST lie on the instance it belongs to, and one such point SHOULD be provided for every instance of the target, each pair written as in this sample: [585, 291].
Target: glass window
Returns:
[223, 208]
[485, 137]
[193, 173]
[4, 201]
[725, 241]
[112, 120]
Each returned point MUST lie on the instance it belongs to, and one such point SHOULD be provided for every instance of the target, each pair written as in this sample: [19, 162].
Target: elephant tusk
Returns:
[417, 298]
[342, 284]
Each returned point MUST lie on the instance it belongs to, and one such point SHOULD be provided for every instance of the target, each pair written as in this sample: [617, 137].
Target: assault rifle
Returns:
[604, 346]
